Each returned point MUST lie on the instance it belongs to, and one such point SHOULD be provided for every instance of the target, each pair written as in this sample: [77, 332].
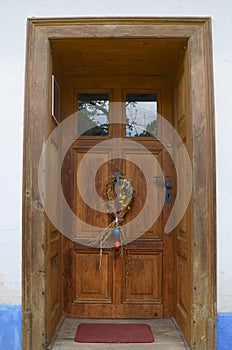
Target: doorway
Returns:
[169, 275]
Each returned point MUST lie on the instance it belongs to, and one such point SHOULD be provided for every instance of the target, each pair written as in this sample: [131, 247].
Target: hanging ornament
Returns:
[116, 231]
[116, 245]
[119, 196]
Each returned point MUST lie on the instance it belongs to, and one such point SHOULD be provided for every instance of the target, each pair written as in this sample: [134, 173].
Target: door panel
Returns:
[148, 160]
[82, 210]
[92, 283]
[143, 282]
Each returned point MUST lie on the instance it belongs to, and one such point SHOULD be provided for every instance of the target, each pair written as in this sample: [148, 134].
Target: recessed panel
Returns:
[143, 278]
[141, 168]
[92, 282]
[87, 188]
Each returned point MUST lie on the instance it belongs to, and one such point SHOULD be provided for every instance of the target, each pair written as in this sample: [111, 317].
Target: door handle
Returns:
[168, 187]
[168, 192]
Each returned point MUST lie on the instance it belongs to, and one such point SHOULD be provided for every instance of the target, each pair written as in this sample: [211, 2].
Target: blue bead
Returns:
[116, 231]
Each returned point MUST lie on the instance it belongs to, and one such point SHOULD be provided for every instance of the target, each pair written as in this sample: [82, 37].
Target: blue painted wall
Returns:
[10, 327]
[224, 331]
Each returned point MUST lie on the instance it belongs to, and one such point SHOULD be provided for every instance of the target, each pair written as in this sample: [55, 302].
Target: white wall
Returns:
[12, 38]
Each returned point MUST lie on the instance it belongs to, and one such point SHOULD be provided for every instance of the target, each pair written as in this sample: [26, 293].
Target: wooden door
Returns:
[136, 282]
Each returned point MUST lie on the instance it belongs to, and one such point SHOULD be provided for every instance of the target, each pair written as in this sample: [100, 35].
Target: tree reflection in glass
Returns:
[93, 114]
[141, 115]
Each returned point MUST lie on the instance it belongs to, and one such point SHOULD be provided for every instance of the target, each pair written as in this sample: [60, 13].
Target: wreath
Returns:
[119, 196]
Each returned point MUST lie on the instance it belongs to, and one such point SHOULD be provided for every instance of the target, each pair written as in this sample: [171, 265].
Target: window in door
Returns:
[141, 115]
[93, 114]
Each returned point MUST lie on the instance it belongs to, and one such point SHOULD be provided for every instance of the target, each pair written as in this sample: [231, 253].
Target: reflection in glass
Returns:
[141, 115]
[93, 114]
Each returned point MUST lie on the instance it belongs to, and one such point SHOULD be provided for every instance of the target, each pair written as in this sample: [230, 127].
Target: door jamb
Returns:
[37, 109]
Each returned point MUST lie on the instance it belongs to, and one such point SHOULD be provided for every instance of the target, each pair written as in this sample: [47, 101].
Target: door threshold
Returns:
[166, 333]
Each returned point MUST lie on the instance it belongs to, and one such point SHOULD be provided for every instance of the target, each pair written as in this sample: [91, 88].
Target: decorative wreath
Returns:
[120, 187]
[119, 196]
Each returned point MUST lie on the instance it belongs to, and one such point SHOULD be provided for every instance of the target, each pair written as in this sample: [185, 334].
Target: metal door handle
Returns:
[168, 187]
[168, 193]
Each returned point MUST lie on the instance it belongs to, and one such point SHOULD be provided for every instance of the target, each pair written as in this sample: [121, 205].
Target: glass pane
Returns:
[141, 115]
[93, 114]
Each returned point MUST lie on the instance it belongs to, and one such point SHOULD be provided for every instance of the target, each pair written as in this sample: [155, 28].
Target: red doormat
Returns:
[113, 333]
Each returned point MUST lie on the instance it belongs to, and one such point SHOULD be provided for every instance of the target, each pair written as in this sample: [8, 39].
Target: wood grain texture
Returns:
[34, 216]
[90, 282]
[203, 243]
[118, 56]
[111, 291]
[184, 230]
[203, 266]
[53, 251]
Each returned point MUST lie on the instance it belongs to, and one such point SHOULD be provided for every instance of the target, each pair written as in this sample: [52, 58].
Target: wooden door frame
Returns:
[37, 110]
